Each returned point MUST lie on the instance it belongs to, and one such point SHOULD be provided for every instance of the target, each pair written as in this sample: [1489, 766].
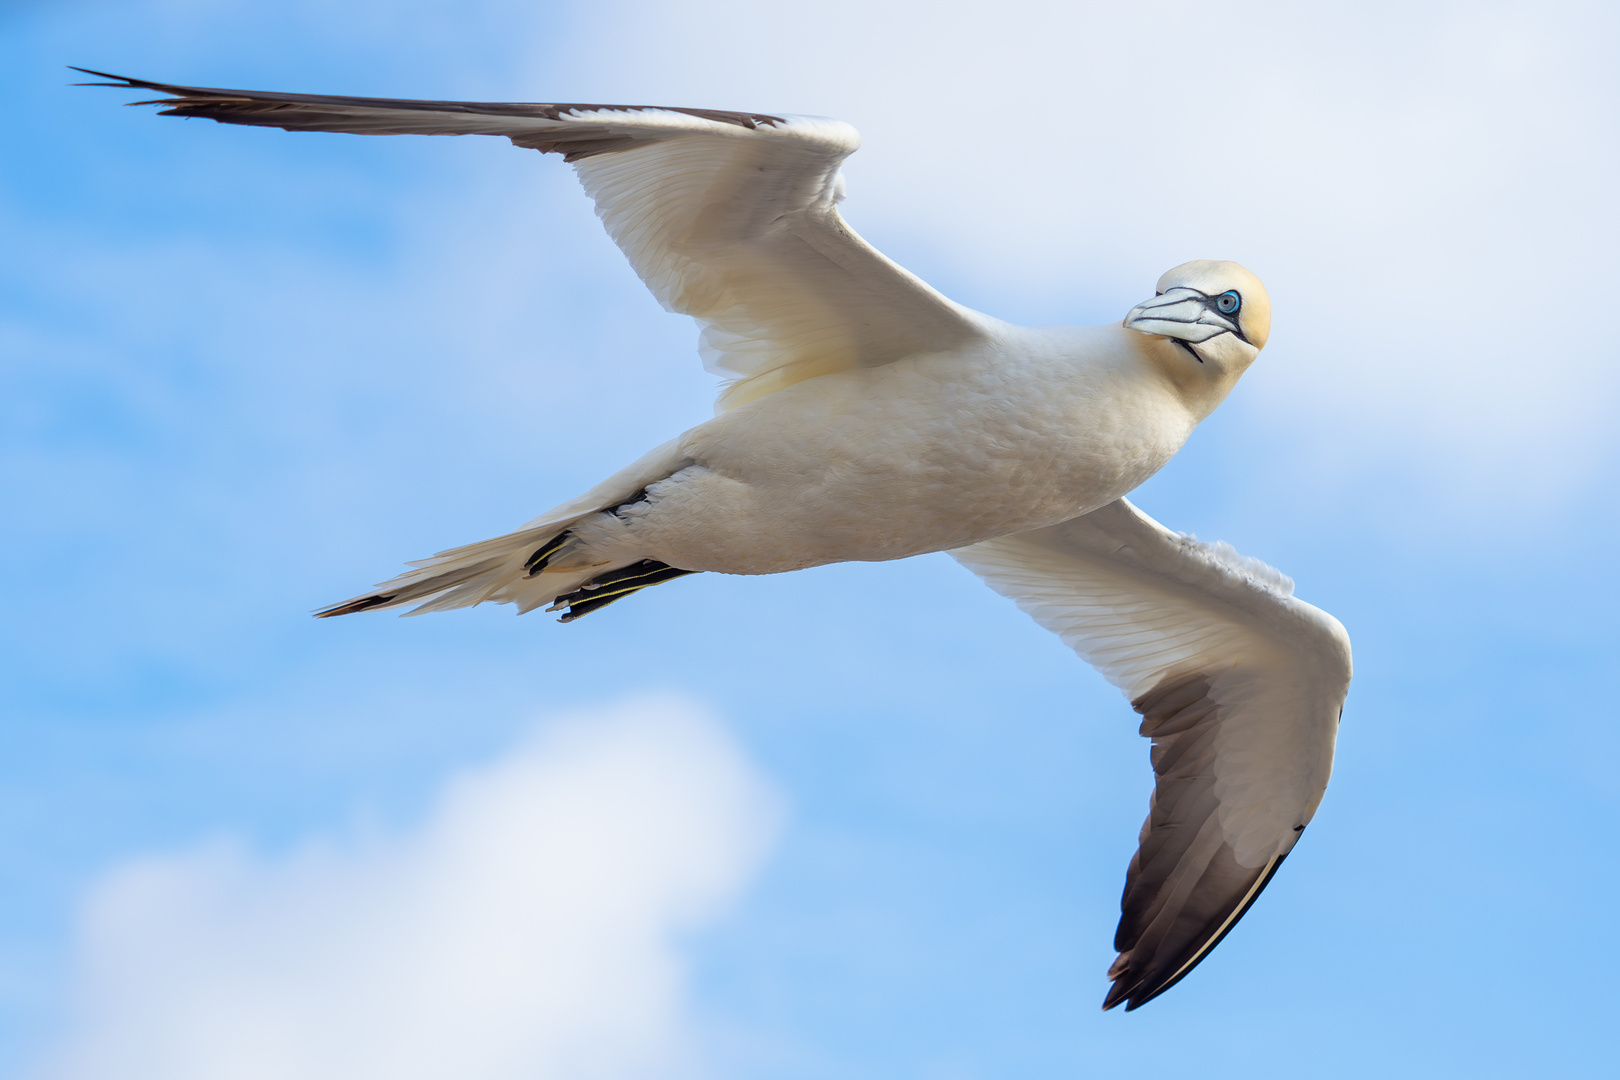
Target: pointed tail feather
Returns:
[488, 570]
[511, 569]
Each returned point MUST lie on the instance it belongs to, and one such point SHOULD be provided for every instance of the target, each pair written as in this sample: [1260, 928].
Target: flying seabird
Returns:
[868, 417]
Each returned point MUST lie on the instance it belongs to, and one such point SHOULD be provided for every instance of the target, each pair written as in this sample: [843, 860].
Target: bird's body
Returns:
[1024, 429]
[871, 418]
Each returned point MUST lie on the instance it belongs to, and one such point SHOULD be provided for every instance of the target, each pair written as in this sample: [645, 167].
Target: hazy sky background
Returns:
[864, 821]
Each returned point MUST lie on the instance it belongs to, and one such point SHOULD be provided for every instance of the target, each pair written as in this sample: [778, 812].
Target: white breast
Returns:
[938, 451]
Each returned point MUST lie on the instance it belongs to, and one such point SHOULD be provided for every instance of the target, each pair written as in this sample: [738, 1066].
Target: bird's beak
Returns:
[1184, 314]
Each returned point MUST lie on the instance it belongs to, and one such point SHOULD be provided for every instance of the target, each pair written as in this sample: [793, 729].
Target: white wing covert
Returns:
[729, 217]
[1240, 687]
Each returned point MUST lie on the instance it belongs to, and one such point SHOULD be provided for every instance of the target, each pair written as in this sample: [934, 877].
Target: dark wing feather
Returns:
[525, 123]
[1184, 889]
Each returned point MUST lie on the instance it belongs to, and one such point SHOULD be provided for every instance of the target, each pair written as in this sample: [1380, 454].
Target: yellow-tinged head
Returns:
[1215, 311]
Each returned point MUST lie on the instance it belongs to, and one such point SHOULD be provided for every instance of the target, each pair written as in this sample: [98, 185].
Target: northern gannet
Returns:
[868, 417]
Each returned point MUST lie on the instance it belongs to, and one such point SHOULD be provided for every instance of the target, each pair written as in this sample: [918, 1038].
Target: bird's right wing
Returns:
[1240, 687]
[729, 217]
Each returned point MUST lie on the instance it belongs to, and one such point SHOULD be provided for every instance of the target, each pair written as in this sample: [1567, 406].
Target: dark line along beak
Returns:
[1182, 313]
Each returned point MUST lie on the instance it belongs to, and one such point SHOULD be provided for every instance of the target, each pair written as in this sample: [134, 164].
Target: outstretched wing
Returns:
[728, 217]
[1240, 687]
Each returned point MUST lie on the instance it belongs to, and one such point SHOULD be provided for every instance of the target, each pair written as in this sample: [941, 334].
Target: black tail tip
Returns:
[353, 606]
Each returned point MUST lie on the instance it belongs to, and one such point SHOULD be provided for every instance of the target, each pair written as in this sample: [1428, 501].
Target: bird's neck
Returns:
[1200, 386]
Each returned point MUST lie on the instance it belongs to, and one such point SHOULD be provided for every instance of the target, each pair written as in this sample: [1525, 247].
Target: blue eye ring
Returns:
[1229, 302]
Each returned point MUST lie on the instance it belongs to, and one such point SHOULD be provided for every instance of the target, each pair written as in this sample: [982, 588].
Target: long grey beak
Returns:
[1185, 314]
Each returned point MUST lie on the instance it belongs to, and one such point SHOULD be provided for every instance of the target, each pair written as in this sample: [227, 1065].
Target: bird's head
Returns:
[1212, 318]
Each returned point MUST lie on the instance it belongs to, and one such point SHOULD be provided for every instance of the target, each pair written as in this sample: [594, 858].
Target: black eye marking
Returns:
[1228, 304]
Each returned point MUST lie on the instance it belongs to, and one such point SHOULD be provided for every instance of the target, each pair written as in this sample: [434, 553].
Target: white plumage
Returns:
[868, 417]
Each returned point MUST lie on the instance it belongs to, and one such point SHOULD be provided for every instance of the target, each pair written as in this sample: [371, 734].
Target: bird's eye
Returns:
[1228, 303]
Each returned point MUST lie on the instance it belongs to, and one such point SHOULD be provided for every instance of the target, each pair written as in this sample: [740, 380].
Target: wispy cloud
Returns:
[528, 927]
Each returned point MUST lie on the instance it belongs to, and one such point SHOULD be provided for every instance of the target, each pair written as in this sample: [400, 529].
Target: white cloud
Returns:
[528, 927]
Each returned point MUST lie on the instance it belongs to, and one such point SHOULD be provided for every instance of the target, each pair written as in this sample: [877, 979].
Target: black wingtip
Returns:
[1146, 989]
[122, 83]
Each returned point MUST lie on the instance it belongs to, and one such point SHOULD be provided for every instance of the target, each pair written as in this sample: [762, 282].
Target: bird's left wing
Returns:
[729, 217]
[1240, 687]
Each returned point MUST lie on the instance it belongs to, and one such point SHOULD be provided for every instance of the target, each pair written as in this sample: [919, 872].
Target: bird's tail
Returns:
[517, 568]
[488, 570]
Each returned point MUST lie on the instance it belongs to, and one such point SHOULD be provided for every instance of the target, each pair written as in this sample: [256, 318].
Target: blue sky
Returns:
[878, 818]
